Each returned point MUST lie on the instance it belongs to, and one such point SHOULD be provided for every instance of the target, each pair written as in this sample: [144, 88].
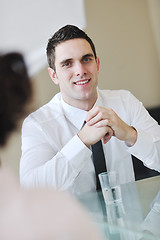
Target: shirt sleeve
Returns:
[147, 146]
[42, 165]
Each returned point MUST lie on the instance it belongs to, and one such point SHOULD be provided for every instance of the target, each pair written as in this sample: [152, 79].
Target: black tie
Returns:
[98, 160]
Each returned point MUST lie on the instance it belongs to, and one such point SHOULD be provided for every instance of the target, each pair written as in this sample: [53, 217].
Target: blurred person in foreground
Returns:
[41, 214]
[56, 145]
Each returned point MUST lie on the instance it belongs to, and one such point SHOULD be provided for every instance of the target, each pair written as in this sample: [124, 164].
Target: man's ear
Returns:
[98, 63]
[52, 74]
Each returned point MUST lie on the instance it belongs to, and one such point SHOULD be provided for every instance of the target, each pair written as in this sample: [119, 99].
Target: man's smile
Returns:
[82, 82]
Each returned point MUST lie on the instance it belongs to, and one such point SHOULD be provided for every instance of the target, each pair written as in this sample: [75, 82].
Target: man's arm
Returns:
[140, 133]
[43, 164]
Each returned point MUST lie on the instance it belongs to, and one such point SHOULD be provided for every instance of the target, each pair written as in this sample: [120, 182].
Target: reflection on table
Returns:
[136, 217]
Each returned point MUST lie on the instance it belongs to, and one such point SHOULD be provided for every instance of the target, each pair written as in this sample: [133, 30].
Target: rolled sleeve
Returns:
[146, 150]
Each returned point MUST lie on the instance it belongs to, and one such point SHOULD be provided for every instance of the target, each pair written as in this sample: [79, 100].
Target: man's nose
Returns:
[80, 69]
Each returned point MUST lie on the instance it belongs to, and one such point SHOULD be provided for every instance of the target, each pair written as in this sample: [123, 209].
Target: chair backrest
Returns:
[140, 170]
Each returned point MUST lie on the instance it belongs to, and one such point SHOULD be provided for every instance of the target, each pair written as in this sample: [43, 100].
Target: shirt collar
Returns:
[75, 115]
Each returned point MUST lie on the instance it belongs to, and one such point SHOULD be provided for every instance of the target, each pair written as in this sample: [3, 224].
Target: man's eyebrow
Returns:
[87, 55]
[65, 61]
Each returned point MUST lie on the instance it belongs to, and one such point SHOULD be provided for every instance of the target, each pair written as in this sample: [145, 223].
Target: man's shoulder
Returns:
[50, 110]
[105, 93]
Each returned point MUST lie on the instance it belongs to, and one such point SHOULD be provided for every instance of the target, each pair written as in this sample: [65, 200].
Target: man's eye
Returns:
[86, 59]
[67, 64]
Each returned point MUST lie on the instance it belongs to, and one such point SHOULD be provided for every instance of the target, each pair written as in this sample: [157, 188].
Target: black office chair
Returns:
[140, 170]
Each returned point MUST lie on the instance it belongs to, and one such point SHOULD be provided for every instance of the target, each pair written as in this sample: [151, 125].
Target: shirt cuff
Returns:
[76, 153]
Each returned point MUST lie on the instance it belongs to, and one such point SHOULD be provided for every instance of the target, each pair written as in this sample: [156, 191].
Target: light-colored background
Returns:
[127, 38]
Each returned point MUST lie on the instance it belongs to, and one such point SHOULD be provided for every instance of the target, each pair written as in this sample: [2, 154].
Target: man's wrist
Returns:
[132, 137]
[81, 137]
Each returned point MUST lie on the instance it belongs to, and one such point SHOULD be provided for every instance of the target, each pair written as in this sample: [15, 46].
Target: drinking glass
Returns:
[110, 187]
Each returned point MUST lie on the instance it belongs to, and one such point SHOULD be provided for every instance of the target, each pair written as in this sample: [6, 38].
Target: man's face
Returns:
[76, 73]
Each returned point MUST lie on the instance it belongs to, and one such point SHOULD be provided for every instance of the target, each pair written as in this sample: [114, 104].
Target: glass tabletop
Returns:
[137, 216]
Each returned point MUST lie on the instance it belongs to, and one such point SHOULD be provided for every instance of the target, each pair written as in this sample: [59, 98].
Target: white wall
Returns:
[154, 14]
[27, 24]
[123, 34]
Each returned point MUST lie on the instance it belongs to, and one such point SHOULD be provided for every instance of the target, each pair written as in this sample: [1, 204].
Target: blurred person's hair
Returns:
[15, 92]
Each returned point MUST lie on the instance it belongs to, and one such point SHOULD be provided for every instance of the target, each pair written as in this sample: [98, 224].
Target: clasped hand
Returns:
[103, 123]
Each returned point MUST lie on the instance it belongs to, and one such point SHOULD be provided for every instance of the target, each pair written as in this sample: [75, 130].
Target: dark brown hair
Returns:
[63, 34]
[15, 91]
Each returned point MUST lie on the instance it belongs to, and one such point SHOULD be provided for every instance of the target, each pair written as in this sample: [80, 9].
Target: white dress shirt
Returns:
[53, 154]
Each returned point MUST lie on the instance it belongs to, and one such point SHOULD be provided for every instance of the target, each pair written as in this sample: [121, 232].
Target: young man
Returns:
[56, 143]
